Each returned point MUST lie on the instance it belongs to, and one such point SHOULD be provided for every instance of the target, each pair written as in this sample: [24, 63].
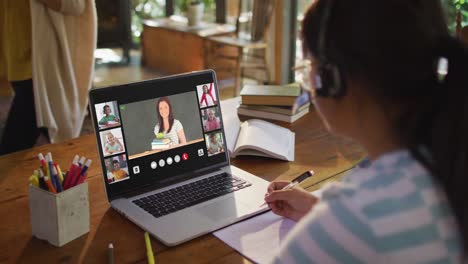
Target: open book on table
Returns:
[260, 138]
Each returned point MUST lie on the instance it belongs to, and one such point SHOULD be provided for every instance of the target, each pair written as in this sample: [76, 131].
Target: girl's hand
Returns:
[292, 203]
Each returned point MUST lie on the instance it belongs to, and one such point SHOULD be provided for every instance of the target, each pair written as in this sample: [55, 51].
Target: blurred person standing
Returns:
[46, 52]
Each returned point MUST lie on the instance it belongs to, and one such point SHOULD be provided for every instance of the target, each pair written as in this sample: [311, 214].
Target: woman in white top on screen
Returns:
[171, 128]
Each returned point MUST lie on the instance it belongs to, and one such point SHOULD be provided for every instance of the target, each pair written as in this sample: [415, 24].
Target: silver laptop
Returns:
[164, 157]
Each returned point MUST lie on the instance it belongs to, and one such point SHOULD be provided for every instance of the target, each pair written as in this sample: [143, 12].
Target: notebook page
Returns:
[258, 238]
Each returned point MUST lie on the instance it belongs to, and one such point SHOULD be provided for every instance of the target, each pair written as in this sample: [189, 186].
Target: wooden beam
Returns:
[285, 40]
[220, 11]
[169, 8]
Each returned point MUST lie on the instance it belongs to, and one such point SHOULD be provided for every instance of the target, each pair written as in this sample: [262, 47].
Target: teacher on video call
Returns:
[167, 126]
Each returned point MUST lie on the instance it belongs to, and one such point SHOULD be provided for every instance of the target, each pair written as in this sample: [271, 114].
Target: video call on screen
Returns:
[175, 130]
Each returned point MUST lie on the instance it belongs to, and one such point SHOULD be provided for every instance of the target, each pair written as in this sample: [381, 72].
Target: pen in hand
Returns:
[296, 181]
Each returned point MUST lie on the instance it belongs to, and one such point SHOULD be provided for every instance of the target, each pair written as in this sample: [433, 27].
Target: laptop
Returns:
[164, 157]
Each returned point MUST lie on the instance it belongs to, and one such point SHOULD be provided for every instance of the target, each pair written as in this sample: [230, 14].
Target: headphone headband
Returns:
[331, 80]
[323, 31]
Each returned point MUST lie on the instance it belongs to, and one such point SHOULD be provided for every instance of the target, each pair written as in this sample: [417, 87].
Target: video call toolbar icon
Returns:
[169, 161]
[177, 158]
[136, 169]
[201, 152]
[154, 165]
[185, 156]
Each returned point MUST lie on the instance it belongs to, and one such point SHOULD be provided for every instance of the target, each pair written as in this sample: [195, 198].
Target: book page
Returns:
[263, 136]
[230, 121]
[258, 238]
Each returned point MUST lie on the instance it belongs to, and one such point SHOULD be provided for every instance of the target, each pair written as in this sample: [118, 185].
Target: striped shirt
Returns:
[390, 212]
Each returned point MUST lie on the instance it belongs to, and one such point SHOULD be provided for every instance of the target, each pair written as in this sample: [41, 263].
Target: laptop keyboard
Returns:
[184, 196]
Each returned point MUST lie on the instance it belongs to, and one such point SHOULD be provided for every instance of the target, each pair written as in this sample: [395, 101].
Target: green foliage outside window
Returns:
[451, 8]
[145, 9]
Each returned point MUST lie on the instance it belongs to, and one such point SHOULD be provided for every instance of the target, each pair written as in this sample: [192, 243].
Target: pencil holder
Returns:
[62, 217]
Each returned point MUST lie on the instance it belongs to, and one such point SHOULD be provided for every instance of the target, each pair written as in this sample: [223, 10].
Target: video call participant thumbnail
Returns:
[111, 144]
[115, 172]
[107, 115]
[214, 143]
[211, 119]
[206, 94]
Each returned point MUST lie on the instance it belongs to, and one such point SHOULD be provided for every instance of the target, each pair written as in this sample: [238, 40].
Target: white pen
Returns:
[296, 181]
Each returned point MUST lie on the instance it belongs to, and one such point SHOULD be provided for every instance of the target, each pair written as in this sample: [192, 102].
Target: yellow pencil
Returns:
[149, 249]
[60, 174]
[34, 180]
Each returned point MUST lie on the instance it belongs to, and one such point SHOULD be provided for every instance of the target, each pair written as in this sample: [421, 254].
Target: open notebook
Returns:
[256, 137]
[258, 238]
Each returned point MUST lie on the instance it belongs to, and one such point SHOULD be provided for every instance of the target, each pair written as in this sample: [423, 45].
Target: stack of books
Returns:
[275, 102]
[160, 143]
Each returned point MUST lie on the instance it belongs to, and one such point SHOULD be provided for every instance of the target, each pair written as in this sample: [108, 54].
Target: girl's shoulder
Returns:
[392, 187]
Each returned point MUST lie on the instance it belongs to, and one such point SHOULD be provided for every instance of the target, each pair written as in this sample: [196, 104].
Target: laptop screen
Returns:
[158, 132]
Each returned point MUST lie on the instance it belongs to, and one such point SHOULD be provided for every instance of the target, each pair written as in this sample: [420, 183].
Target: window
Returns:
[302, 6]
[145, 9]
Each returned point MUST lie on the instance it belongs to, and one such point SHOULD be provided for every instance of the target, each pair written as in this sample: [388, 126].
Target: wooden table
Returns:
[316, 149]
[169, 45]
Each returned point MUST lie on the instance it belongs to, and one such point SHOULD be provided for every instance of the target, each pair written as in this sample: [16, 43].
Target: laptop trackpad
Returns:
[223, 209]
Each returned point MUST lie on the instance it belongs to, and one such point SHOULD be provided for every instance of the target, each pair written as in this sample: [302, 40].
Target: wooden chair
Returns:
[244, 50]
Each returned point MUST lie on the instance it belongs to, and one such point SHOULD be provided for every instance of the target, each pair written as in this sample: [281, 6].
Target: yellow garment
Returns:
[119, 175]
[15, 40]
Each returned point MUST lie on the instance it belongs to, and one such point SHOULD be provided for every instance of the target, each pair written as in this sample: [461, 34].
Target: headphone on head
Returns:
[329, 81]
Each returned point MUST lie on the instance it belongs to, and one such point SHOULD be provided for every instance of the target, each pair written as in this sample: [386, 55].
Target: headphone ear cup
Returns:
[331, 82]
[338, 89]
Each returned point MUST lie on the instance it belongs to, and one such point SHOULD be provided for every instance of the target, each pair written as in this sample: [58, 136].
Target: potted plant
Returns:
[195, 10]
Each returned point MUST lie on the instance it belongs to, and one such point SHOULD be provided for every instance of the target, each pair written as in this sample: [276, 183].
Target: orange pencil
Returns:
[49, 184]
